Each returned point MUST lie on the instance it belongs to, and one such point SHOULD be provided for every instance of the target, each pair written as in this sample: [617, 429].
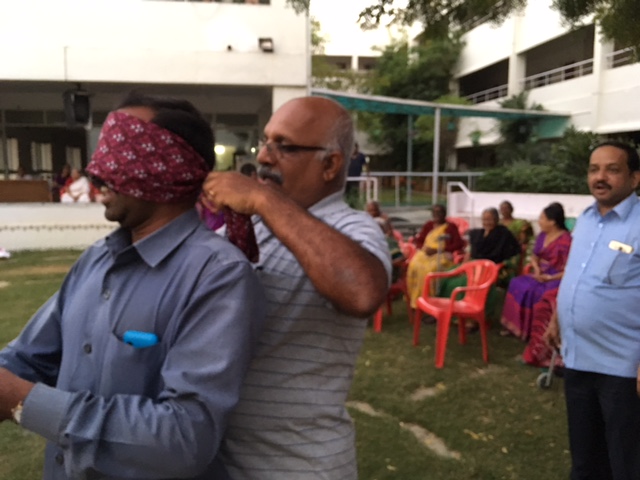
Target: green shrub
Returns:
[523, 177]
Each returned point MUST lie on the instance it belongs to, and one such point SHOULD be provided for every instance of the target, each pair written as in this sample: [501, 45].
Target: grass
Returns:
[493, 415]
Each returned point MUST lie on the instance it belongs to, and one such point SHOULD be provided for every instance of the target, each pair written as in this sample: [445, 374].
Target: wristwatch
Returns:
[16, 413]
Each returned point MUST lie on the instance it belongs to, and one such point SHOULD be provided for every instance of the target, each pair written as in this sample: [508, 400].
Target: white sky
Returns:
[338, 21]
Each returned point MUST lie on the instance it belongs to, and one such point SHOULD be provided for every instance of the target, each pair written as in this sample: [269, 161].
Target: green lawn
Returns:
[494, 419]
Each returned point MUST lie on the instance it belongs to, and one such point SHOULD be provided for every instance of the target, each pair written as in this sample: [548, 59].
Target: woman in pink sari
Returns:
[537, 353]
[548, 261]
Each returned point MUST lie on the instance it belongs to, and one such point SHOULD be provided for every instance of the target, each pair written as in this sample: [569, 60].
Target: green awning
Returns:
[401, 106]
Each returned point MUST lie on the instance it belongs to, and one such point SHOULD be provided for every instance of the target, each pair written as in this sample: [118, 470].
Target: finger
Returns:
[208, 204]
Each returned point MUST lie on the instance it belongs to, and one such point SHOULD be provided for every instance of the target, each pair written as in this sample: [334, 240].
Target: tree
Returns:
[562, 169]
[439, 16]
[618, 18]
[423, 72]
[325, 74]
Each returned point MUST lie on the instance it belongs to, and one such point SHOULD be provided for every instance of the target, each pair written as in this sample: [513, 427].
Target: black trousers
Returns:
[604, 426]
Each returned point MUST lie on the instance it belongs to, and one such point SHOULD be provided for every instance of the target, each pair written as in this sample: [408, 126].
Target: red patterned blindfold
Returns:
[143, 160]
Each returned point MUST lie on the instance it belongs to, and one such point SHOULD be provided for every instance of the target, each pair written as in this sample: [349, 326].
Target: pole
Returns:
[436, 156]
[409, 156]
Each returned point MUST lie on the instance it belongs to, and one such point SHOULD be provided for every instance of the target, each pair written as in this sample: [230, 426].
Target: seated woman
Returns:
[520, 228]
[77, 190]
[548, 260]
[437, 240]
[491, 242]
[537, 353]
[60, 181]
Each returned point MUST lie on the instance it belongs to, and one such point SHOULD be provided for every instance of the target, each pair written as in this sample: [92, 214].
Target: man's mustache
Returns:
[266, 173]
[602, 184]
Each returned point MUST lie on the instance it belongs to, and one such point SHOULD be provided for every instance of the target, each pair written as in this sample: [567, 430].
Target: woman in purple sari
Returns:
[548, 261]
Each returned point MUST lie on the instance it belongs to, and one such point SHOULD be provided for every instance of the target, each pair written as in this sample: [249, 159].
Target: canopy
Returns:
[551, 124]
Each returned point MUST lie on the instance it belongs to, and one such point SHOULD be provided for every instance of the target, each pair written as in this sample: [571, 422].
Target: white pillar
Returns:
[517, 62]
[354, 63]
[601, 48]
[281, 95]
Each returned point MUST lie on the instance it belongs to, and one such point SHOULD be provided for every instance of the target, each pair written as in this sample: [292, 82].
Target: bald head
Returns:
[327, 118]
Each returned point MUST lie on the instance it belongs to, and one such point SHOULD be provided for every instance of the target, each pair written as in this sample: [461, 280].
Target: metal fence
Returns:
[409, 189]
[575, 70]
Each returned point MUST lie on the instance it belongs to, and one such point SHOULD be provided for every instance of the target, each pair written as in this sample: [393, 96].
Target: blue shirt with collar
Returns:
[599, 296]
[109, 410]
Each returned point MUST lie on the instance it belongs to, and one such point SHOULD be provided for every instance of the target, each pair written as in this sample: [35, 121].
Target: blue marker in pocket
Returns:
[140, 339]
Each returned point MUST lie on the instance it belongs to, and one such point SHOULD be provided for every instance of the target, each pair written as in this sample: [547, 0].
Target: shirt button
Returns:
[106, 294]
[87, 348]
[59, 458]
[584, 265]
[599, 225]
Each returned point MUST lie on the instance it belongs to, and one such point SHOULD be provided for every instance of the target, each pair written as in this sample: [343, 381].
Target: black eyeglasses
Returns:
[287, 149]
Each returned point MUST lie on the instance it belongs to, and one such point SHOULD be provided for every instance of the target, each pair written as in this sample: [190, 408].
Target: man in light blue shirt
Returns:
[599, 322]
[131, 369]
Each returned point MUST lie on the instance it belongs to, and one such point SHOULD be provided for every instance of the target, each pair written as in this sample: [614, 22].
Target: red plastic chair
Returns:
[481, 274]
[461, 224]
[399, 287]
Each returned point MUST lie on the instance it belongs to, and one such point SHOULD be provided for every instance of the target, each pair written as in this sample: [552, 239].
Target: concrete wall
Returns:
[152, 42]
[525, 205]
[42, 226]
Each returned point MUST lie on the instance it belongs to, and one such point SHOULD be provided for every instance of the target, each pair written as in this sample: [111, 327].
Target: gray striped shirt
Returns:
[291, 422]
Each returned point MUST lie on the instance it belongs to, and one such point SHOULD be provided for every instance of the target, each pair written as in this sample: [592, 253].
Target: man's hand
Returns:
[551, 335]
[13, 390]
[234, 190]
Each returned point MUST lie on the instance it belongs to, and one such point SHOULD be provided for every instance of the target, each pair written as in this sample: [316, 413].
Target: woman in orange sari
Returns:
[437, 235]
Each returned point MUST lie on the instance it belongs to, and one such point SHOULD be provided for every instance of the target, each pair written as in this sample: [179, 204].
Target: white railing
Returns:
[558, 75]
[368, 186]
[405, 193]
[620, 58]
[489, 94]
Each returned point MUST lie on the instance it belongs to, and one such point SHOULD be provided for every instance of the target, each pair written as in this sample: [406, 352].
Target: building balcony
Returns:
[620, 58]
[557, 75]
[488, 95]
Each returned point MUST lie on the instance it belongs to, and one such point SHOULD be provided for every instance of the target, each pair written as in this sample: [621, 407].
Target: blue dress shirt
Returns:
[599, 296]
[109, 410]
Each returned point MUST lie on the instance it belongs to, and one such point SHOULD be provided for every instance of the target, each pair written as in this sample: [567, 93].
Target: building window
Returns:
[74, 157]
[41, 158]
[12, 161]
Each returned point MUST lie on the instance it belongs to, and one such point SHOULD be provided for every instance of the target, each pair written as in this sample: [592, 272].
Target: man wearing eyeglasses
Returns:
[325, 269]
[130, 370]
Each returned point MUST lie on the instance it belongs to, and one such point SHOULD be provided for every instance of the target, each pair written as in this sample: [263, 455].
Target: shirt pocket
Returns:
[625, 269]
[131, 370]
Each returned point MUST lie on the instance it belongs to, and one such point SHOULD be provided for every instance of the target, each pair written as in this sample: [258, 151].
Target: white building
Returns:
[569, 71]
[236, 61]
